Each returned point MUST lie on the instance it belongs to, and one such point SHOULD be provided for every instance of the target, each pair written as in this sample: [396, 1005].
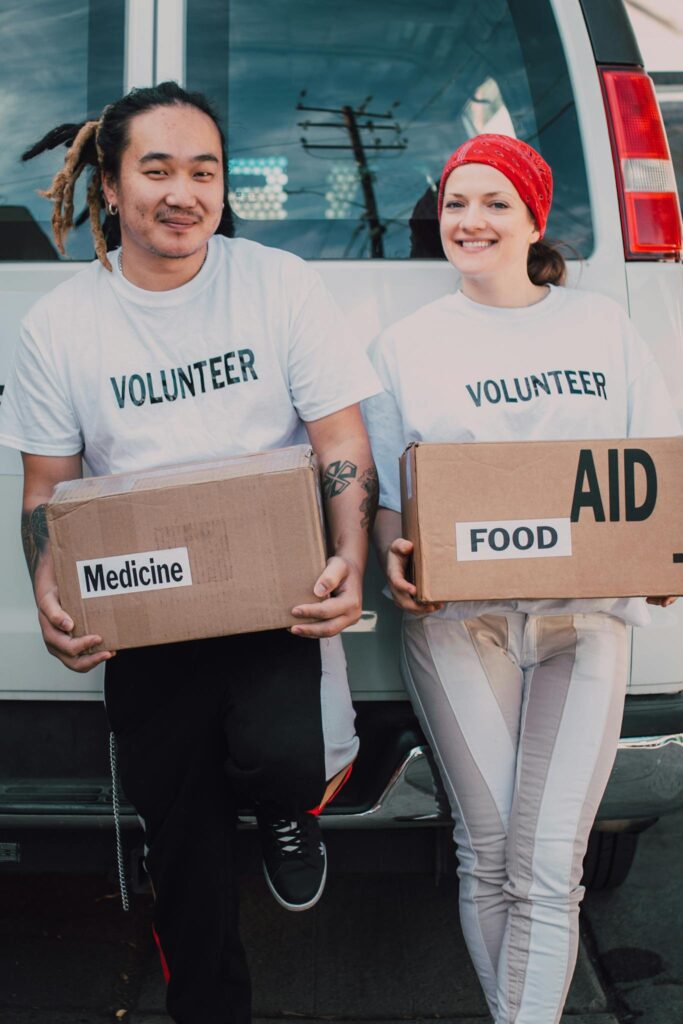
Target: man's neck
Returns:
[157, 273]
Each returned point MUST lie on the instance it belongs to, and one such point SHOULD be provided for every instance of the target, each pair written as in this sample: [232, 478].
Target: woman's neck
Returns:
[512, 293]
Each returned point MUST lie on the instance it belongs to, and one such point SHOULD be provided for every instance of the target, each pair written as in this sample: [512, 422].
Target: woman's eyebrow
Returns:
[487, 195]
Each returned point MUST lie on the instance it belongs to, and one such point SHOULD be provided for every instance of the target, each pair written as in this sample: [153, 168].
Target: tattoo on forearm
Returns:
[34, 537]
[368, 505]
[337, 477]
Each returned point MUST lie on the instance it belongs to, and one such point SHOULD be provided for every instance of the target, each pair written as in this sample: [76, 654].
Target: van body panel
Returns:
[655, 304]
[655, 292]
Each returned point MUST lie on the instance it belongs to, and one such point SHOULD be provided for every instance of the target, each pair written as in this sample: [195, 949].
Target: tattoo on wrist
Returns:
[368, 505]
[34, 537]
[337, 477]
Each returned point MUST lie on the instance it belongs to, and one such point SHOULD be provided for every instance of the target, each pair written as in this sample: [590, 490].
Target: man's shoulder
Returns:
[67, 296]
[255, 257]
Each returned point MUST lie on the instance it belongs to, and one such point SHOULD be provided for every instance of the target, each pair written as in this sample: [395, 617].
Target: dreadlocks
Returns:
[100, 145]
[61, 191]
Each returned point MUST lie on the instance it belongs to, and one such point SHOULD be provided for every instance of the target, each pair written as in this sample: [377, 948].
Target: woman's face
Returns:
[486, 228]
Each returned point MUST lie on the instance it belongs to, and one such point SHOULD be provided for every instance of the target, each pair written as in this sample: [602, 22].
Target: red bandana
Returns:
[522, 165]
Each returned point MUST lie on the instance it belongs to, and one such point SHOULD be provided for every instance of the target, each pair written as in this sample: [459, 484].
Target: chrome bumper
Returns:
[647, 779]
[646, 782]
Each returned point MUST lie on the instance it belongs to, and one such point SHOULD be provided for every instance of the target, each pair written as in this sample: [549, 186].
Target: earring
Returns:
[112, 210]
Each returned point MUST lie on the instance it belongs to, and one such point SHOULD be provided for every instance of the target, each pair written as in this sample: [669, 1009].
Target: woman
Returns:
[520, 700]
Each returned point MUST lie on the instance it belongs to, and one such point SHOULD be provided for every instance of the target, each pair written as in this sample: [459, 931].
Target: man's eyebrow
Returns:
[148, 157]
[200, 158]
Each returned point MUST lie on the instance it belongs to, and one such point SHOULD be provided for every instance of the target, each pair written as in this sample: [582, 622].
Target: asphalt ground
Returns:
[382, 945]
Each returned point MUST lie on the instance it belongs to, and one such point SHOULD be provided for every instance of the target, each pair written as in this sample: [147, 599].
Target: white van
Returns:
[339, 119]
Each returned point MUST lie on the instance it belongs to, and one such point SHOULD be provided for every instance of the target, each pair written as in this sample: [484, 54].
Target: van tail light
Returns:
[648, 199]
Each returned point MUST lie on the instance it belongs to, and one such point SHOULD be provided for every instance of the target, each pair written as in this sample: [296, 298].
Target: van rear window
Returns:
[340, 117]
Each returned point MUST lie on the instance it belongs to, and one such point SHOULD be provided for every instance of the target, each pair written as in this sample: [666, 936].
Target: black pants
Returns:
[203, 728]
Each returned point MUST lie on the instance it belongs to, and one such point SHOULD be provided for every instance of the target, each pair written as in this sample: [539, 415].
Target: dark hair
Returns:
[545, 264]
[100, 145]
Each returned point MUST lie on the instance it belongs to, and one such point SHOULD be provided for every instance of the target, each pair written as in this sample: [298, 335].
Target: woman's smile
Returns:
[475, 244]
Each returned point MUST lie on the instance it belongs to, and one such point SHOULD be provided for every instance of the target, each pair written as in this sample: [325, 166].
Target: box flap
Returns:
[86, 488]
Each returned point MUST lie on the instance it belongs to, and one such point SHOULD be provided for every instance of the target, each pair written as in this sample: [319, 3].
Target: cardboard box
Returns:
[545, 518]
[180, 553]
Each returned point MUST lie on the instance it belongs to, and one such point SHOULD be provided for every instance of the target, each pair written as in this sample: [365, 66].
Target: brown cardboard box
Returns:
[179, 553]
[545, 518]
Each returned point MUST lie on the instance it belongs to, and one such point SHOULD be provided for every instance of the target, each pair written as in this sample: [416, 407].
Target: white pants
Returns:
[523, 713]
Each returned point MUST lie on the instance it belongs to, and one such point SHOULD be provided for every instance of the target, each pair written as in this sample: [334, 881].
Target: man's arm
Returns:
[350, 491]
[41, 474]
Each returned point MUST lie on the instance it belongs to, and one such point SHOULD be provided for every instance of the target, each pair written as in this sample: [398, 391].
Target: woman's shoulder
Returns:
[607, 325]
[596, 302]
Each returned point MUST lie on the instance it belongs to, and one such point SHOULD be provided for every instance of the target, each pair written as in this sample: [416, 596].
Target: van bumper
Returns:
[394, 783]
[646, 783]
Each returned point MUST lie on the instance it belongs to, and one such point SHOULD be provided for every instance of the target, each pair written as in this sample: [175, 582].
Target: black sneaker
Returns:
[294, 857]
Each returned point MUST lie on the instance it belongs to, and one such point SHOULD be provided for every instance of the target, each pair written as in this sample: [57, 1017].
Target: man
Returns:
[250, 355]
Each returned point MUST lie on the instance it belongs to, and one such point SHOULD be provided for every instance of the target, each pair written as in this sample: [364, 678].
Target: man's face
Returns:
[170, 186]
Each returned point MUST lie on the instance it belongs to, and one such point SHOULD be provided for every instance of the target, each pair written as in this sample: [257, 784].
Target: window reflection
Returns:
[62, 61]
[486, 111]
[431, 74]
[257, 187]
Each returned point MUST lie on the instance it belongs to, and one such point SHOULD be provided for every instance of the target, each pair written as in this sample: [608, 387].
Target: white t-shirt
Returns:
[231, 362]
[572, 366]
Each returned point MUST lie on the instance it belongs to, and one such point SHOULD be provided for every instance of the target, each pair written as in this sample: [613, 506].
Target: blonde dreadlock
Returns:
[94, 207]
[61, 192]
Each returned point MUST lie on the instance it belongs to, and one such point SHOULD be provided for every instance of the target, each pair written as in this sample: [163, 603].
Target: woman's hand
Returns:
[394, 553]
[663, 602]
[402, 590]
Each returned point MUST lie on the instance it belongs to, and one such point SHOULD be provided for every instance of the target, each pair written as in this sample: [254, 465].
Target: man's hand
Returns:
[402, 590]
[663, 602]
[341, 586]
[41, 474]
[350, 488]
[57, 627]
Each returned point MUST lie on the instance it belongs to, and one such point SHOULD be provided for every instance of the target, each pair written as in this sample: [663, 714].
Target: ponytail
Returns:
[545, 264]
